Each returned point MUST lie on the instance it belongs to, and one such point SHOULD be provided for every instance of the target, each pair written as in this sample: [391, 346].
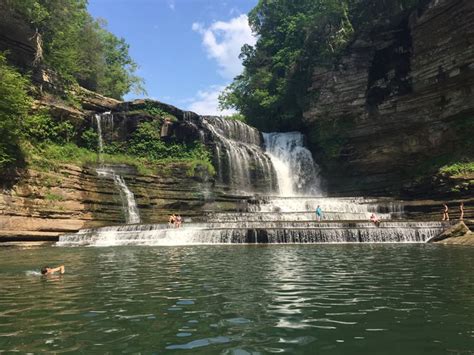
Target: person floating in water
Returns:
[375, 220]
[461, 211]
[46, 270]
[445, 213]
[319, 213]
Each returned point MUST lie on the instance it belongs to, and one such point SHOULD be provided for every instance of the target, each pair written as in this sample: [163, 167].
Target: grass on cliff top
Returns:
[459, 168]
[49, 156]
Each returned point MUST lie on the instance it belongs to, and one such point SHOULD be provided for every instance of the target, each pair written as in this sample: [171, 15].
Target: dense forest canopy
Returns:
[78, 47]
[293, 38]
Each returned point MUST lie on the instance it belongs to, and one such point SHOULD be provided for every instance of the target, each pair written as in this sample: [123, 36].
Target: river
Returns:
[307, 299]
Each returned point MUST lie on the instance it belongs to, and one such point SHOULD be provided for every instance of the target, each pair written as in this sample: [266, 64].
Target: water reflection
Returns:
[238, 300]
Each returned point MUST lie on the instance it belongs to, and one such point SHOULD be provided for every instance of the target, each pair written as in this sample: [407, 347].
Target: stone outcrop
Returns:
[458, 234]
[458, 230]
[42, 205]
[402, 97]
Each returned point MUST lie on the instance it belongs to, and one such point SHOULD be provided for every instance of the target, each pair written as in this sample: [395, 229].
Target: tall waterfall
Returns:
[294, 165]
[129, 204]
[241, 162]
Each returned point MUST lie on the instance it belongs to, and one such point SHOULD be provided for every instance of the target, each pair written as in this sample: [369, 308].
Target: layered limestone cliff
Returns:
[42, 205]
[400, 100]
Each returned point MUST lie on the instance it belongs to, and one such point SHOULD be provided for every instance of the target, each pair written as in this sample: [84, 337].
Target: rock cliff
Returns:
[401, 98]
[42, 205]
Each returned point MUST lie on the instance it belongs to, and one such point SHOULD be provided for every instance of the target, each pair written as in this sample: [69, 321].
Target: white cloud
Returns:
[206, 102]
[223, 41]
[171, 5]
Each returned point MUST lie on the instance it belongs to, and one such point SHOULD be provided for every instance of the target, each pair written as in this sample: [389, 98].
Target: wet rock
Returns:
[457, 230]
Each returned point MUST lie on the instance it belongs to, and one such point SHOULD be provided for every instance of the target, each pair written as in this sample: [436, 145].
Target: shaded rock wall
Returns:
[17, 38]
[403, 95]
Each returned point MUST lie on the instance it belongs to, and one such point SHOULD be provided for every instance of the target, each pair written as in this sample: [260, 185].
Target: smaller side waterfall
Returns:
[104, 120]
[295, 168]
[128, 199]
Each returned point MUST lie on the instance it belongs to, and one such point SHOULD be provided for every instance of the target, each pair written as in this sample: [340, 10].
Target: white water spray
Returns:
[241, 162]
[294, 165]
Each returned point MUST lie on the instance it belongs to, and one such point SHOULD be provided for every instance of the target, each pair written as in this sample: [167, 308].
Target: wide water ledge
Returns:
[258, 233]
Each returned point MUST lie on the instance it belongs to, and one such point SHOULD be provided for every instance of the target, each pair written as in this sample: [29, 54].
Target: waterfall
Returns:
[129, 204]
[241, 162]
[274, 233]
[127, 197]
[294, 165]
[104, 120]
[287, 167]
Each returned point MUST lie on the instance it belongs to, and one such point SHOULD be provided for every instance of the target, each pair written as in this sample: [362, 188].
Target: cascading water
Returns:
[129, 204]
[241, 163]
[287, 167]
[294, 165]
[271, 233]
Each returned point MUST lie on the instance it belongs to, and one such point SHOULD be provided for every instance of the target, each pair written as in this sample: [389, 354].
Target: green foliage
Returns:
[195, 165]
[90, 140]
[14, 105]
[151, 109]
[53, 197]
[146, 143]
[458, 168]
[40, 127]
[294, 38]
[79, 47]
[50, 156]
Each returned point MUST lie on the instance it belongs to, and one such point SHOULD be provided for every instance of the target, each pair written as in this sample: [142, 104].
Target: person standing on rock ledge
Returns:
[445, 213]
[461, 211]
[319, 213]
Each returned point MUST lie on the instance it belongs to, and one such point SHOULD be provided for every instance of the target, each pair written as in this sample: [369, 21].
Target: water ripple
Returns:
[239, 300]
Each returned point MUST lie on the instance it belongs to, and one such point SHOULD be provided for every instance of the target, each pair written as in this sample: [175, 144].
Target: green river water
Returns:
[304, 299]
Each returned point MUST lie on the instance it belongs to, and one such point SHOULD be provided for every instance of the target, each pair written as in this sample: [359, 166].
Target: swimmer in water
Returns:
[46, 270]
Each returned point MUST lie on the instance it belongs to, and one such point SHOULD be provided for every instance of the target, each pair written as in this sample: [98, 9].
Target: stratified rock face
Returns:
[43, 205]
[403, 95]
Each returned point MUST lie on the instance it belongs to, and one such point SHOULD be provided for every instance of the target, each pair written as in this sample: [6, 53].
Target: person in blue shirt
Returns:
[319, 213]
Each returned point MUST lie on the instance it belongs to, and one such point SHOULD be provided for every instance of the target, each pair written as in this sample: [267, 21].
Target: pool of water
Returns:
[352, 299]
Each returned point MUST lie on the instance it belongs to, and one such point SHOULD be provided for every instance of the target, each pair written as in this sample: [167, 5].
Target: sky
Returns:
[187, 50]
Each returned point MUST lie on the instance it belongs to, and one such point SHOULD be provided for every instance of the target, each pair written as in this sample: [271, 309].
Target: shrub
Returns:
[41, 127]
[458, 168]
[90, 139]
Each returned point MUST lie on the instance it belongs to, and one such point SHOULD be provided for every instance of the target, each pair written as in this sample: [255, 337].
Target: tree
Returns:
[14, 107]
[294, 37]
[79, 48]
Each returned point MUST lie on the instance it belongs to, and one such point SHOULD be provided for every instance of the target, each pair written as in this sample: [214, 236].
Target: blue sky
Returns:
[187, 50]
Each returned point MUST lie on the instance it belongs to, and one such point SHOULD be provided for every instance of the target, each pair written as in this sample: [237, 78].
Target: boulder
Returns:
[457, 230]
